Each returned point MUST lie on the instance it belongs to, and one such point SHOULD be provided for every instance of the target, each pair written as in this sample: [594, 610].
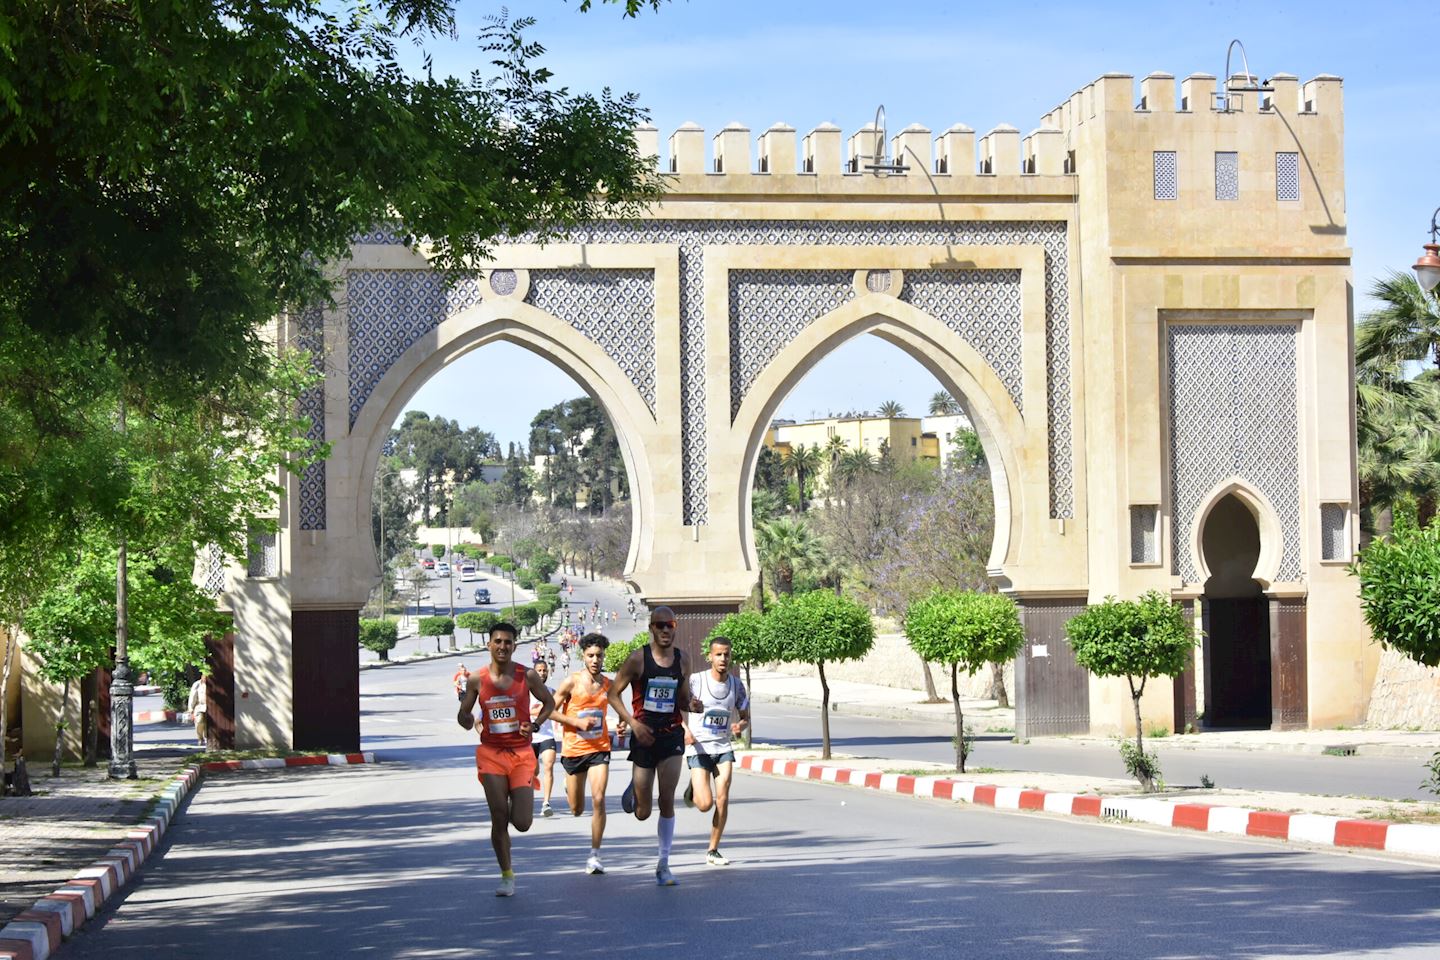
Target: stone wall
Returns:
[1405, 696]
[891, 663]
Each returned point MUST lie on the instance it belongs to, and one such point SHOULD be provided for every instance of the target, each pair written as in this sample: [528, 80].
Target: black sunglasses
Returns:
[663, 623]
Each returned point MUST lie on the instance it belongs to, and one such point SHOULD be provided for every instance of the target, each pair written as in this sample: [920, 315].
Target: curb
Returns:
[36, 933]
[158, 716]
[1421, 840]
[272, 763]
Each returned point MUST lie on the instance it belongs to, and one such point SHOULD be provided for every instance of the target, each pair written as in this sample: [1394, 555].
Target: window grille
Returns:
[1227, 175]
[262, 554]
[1167, 180]
[1144, 538]
[1334, 532]
[1287, 176]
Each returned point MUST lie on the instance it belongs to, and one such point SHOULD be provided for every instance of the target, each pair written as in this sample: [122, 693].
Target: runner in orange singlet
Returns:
[581, 704]
[504, 761]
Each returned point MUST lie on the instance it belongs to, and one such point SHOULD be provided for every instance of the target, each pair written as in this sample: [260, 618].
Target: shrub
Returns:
[499, 560]
[438, 549]
[547, 589]
[819, 627]
[548, 603]
[619, 650]
[1137, 640]
[380, 636]
[965, 630]
[526, 615]
[1400, 588]
[544, 564]
[525, 579]
[436, 627]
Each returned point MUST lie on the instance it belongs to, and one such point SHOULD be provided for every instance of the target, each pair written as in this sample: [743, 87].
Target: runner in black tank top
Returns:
[660, 697]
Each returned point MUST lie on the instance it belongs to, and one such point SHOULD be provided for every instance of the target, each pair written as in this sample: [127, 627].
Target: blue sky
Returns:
[803, 62]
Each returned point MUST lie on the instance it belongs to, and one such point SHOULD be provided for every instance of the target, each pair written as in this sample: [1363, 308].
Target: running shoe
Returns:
[506, 888]
[545, 810]
[689, 794]
[627, 799]
[716, 859]
[594, 866]
[663, 876]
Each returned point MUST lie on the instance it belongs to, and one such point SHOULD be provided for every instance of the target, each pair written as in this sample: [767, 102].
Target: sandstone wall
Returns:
[1405, 696]
[891, 663]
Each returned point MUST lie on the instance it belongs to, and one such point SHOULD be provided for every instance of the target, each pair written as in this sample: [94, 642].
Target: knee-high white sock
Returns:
[666, 830]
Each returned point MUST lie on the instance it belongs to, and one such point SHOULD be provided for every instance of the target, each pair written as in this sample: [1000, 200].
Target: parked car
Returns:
[482, 596]
[442, 568]
[427, 563]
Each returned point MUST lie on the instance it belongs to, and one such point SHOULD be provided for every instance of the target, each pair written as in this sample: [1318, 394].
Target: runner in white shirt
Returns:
[542, 741]
[720, 709]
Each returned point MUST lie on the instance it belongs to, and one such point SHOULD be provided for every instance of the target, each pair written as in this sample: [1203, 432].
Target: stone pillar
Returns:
[1186, 716]
[326, 680]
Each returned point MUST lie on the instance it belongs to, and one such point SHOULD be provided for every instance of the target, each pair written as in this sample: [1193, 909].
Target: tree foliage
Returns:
[380, 636]
[1400, 588]
[1137, 640]
[436, 627]
[965, 631]
[620, 650]
[819, 627]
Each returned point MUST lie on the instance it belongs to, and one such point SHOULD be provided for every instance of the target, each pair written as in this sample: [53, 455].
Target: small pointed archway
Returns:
[1237, 618]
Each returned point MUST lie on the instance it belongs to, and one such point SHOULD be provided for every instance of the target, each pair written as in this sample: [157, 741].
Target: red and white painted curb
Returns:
[1415, 839]
[37, 933]
[272, 763]
[160, 716]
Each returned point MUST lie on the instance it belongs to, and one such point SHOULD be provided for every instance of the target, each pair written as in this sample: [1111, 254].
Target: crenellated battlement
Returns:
[737, 159]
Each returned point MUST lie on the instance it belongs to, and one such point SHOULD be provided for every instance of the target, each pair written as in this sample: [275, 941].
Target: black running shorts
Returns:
[668, 743]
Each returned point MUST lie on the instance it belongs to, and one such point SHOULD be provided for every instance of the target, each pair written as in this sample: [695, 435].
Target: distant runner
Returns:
[504, 762]
[724, 711]
[660, 692]
[542, 742]
[581, 705]
[459, 679]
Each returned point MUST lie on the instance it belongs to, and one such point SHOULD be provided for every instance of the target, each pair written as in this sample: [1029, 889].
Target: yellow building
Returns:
[901, 437]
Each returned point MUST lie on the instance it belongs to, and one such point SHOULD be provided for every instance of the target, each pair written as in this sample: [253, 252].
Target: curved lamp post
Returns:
[1427, 268]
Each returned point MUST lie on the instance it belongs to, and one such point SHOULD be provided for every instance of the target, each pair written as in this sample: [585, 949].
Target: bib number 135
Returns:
[660, 694]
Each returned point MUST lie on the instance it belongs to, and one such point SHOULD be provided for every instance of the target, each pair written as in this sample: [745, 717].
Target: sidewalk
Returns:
[873, 700]
[70, 821]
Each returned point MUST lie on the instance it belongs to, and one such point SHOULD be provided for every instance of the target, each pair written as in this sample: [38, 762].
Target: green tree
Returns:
[891, 409]
[787, 546]
[437, 627]
[477, 621]
[802, 463]
[525, 615]
[390, 513]
[746, 632]
[943, 405]
[1400, 588]
[1398, 398]
[965, 631]
[1137, 640]
[380, 636]
[819, 627]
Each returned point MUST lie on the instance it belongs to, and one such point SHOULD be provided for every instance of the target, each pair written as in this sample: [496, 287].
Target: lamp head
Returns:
[1427, 268]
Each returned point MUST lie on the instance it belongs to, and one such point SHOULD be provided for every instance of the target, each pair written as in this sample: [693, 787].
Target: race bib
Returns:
[660, 694]
[597, 731]
[716, 720]
[500, 715]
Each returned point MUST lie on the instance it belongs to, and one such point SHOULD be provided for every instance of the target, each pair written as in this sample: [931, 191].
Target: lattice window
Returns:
[262, 553]
[1167, 178]
[1334, 531]
[1287, 176]
[1144, 534]
[214, 570]
[1227, 175]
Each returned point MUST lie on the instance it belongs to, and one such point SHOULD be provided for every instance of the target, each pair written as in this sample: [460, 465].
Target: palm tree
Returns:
[1396, 412]
[834, 451]
[801, 462]
[891, 409]
[787, 546]
[853, 464]
[943, 405]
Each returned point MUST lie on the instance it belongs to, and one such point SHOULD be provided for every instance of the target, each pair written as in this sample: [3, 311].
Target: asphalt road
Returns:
[393, 861]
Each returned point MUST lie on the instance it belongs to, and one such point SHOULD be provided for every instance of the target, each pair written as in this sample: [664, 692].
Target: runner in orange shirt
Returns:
[581, 704]
[504, 762]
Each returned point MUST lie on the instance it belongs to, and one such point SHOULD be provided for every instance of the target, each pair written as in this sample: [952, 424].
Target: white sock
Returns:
[666, 830]
[595, 852]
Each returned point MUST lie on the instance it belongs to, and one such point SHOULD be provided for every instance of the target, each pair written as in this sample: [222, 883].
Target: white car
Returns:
[442, 569]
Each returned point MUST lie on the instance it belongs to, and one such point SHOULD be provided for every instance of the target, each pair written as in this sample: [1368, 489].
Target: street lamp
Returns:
[1427, 268]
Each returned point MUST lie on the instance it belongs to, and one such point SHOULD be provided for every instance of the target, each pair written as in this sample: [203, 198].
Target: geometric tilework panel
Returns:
[310, 337]
[214, 571]
[387, 235]
[613, 308]
[769, 309]
[387, 311]
[1233, 412]
[691, 237]
[1143, 538]
[1167, 178]
[983, 306]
